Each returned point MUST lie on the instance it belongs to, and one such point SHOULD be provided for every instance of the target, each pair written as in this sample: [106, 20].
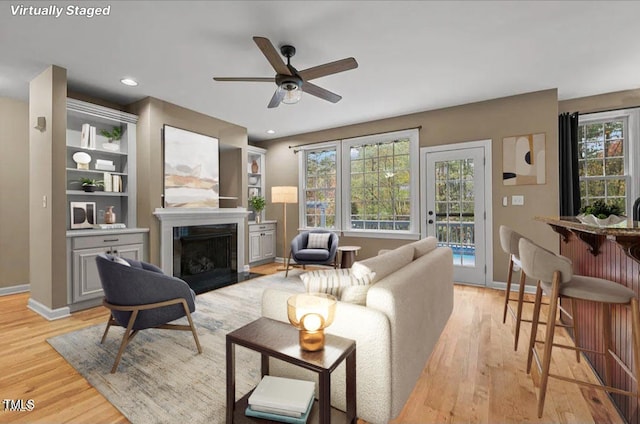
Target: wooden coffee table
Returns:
[348, 255]
[279, 340]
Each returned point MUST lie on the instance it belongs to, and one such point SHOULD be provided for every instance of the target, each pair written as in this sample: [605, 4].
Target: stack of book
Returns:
[105, 165]
[282, 399]
[112, 182]
[88, 137]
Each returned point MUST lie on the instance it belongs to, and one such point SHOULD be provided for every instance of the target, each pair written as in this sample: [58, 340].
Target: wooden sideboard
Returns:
[613, 254]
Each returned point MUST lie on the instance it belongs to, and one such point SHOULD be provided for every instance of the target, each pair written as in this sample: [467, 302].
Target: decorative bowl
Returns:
[253, 180]
[610, 221]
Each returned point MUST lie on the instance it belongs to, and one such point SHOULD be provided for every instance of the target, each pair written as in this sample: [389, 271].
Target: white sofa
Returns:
[406, 310]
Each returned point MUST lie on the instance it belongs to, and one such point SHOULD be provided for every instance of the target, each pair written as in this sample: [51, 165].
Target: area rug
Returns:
[161, 378]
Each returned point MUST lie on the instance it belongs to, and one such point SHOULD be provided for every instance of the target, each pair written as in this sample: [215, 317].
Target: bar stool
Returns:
[555, 277]
[509, 241]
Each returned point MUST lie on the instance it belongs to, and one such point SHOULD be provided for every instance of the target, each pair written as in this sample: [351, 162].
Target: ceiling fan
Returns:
[291, 82]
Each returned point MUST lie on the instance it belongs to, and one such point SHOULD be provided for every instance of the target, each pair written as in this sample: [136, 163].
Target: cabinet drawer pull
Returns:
[110, 240]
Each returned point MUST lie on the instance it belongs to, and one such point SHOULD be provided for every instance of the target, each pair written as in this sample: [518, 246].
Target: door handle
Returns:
[430, 212]
[430, 221]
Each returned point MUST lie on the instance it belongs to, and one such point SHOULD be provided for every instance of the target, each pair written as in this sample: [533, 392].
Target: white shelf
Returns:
[95, 171]
[96, 193]
[96, 150]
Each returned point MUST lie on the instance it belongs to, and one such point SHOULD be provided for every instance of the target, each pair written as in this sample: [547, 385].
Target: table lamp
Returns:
[284, 195]
[311, 313]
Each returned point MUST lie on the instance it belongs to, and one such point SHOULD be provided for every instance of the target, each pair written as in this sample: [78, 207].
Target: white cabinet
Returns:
[255, 176]
[262, 242]
[114, 164]
[85, 281]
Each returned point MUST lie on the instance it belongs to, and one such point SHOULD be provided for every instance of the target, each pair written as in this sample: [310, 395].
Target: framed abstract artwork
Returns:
[83, 214]
[191, 169]
[523, 159]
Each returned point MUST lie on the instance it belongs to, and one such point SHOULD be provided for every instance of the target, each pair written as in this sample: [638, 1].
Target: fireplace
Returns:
[204, 247]
[204, 252]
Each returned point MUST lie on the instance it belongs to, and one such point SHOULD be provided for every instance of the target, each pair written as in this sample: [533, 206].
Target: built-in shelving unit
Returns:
[255, 176]
[80, 113]
[83, 245]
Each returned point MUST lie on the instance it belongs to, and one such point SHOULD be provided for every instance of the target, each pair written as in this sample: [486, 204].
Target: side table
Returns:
[280, 340]
[348, 256]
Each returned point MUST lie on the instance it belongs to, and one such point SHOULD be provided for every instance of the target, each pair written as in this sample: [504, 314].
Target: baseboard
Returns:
[49, 314]
[21, 288]
[499, 285]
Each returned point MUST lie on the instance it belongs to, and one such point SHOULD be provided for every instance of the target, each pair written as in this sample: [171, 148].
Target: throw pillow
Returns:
[119, 260]
[332, 281]
[318, 241]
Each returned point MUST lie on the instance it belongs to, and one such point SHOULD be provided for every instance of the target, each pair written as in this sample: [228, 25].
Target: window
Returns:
[319, 187]
[375, 192]
[605, 160]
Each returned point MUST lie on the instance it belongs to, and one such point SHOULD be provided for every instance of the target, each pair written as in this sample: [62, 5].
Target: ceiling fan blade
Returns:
[276, 99]
[320, 92]
[249, 79]
[328, 69]
[272, 55]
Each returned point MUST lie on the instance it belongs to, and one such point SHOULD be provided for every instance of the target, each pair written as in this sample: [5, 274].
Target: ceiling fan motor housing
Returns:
[289, 82]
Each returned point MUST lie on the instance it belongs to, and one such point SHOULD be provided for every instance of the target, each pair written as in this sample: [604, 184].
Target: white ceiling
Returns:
[413, 56]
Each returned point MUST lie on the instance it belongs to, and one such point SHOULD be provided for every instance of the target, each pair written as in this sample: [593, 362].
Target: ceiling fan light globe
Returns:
[292, 92]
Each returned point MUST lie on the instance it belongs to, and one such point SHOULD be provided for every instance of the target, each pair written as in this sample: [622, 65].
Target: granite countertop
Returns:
[632, 228]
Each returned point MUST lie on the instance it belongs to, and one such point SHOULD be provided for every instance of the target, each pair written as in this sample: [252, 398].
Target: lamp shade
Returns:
[284, 194]
[311, 313]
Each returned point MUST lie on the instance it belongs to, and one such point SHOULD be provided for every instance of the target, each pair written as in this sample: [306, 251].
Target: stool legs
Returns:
[537, 304]
[508, 290]
[523, 278]
[548, 342]
[574, 323]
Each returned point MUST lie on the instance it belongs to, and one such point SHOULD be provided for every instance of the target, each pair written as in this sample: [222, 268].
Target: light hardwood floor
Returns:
[473, 375]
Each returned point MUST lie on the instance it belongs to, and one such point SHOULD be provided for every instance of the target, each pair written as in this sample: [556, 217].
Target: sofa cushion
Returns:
[318, 241]
[319, 255]
[385, 264]
[424, 246]
[355, 294]
[333, 281]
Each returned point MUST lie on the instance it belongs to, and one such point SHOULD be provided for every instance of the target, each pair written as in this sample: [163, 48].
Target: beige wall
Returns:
[47, 163]
[603, 102]
[494, 119]
[153, 114]
[14, 192]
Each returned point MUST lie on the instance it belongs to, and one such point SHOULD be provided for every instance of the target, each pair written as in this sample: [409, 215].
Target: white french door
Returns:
[455, 182]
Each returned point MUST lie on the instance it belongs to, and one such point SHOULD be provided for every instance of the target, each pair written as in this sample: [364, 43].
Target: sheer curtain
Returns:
[568, 163]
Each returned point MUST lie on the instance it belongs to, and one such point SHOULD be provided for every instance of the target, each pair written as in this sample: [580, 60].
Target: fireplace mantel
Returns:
[186, 217]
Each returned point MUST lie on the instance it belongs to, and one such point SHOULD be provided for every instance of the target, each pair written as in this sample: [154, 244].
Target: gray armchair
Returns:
[305, 256]
[141, 296]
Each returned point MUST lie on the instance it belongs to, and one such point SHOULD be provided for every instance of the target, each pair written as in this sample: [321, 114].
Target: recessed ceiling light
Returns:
[128, 81]
[271, 131]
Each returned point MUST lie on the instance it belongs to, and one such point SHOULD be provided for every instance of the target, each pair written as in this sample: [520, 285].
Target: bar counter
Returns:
[613, 254]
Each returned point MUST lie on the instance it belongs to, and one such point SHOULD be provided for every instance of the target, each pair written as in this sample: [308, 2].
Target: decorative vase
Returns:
[610, 221]
[258, 217]
[254, 167]
[110, 216]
